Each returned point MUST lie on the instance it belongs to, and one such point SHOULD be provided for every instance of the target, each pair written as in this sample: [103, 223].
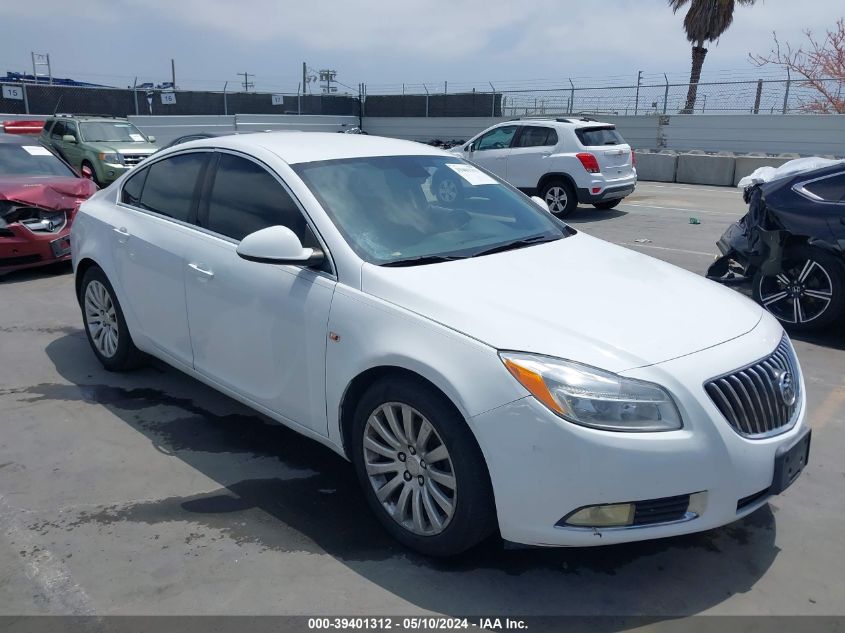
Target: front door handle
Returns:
[202, 271]
[122, 234]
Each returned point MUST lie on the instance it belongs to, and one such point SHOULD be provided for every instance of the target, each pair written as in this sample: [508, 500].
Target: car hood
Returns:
[578, 298]
[123, 148]
[54, 193]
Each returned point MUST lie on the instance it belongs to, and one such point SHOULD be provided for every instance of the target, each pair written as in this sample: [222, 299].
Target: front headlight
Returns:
[113, 158]
[594, 397]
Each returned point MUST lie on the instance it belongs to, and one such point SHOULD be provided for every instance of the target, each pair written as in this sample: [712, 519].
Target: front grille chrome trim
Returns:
[748, 398]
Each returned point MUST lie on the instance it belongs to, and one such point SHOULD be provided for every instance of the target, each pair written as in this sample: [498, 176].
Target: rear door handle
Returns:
[202, 271]
[122, 234]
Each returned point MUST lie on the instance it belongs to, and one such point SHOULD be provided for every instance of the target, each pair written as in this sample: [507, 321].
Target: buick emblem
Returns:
[786, 388]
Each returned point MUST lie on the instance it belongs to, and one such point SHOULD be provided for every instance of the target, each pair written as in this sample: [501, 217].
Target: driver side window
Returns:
[500, 138]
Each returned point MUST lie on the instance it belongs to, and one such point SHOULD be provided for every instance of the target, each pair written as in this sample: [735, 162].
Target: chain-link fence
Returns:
[737, 97]
[46, 99]
[770, 96]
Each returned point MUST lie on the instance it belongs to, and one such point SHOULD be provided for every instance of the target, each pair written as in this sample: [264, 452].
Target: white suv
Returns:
[565, 161]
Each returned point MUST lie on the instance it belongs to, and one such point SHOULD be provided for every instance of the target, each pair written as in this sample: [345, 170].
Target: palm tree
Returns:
[705, 21]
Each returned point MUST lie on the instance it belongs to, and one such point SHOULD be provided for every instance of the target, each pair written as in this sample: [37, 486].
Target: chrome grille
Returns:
[133, 159]
[752, 399]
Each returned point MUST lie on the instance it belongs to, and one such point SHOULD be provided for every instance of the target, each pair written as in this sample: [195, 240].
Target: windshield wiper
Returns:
[510, 246]
[421, 260]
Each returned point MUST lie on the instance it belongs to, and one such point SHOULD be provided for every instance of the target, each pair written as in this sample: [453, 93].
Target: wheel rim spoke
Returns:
[819, 294]
[775, 298]
[101, 319]
[398, 464]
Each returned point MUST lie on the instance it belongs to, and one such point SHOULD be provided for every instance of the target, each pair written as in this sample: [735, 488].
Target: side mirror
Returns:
[470, 148]
[69, 138]
[278, 245]
[151, 139]
[540, 203]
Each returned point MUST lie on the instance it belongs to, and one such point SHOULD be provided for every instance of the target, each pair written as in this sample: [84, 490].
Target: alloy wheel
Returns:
[447, 190]
[557, 199]
[101, 319]
[800, 294]
[410, 469]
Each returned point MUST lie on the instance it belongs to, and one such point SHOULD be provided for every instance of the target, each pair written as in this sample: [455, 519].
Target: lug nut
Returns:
[422, 464]
[412, 450]
[402, 457]
[407, 476]
[421, 479]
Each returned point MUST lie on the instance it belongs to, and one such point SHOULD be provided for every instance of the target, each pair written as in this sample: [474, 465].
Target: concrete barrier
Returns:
[698, 168]
[745, 165]
[656, 166]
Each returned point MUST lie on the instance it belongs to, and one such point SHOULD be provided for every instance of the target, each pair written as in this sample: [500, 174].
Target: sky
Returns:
[387, 43]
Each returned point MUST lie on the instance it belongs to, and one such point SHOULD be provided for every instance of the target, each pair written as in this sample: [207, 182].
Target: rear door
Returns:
[151, 227]
[491, 150]
[610, 149]
[529, 156]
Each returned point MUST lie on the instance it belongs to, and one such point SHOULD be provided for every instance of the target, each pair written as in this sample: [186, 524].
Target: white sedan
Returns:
[483, 365]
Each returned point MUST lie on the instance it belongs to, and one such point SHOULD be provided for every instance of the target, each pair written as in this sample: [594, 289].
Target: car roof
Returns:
[19, 139]
[306, 147]
[572, 122]
[87, 117]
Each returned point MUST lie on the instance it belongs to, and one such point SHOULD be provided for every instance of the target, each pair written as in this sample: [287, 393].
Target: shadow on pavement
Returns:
[325, 512]
[587, 214]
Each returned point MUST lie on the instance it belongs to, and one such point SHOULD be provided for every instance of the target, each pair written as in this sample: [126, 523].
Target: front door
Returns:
[257, 329]
[491, 150]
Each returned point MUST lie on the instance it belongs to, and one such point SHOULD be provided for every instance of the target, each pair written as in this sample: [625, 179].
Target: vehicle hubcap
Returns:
[557, 199]
[800, 294]
[410, 469]
[101, 318]
[447, 191]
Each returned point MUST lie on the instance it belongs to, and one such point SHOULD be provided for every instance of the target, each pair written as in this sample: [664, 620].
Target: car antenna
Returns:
[58, 103]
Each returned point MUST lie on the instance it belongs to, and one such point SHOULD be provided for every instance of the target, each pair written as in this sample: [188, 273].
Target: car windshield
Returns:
[389, 211]
[30, 160]
[111, 131]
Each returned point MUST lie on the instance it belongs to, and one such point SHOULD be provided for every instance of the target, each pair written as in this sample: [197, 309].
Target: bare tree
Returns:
[820, 62]
[705, 21]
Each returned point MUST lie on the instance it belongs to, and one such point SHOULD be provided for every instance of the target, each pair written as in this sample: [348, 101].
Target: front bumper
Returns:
[543, 468]
[30, 250]
[110, 172]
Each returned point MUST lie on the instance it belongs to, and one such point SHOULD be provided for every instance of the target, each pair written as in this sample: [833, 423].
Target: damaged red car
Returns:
[39, 197]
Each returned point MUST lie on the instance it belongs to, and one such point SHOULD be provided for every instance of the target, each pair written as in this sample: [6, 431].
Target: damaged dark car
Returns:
[791, 246]
[39, 197]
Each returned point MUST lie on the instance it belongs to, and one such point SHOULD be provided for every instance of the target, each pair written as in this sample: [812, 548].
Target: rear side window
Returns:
[133, 187]
[593, 136]
[532, 136]
[831, 189]
[246, 198]
[170, 184]
[47, 125]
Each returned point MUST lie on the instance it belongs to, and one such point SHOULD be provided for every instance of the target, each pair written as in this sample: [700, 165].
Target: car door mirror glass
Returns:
[278, 245]
[69, 138]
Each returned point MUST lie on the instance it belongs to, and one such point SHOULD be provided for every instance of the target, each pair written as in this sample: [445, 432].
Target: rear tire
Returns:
[809, 293]
[606, 206]
[560, 197]
[441, 508]
[105, 326]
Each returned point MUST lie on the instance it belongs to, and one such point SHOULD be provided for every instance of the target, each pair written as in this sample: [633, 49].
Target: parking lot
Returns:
[150, 493]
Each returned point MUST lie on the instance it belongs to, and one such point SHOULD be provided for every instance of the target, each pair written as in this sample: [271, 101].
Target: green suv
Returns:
[101, 148]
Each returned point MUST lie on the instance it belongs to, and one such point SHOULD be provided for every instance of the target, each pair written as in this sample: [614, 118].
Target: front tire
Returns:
[422, 472]
[560, 197]
[808, 294]
[105, 326]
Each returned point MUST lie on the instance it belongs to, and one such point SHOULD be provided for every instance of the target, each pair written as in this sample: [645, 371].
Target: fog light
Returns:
[697, 503]
[615, 515]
